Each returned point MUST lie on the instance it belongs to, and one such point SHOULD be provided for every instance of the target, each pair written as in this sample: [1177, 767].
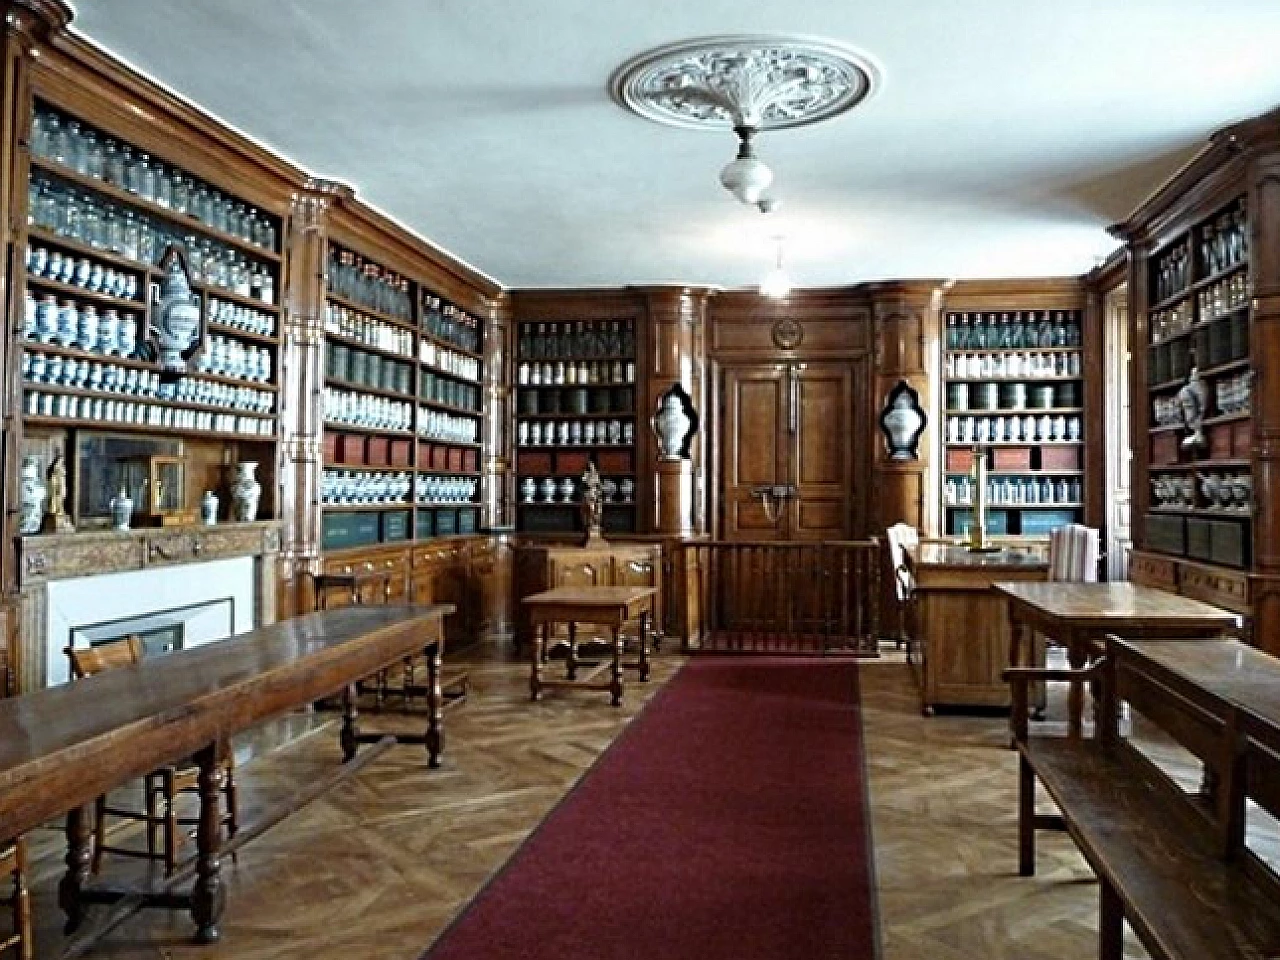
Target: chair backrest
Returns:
[1073, 554]
[902, 537]
[86, 661]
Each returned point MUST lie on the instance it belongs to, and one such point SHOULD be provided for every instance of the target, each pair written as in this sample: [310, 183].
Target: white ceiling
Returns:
[1006, 135]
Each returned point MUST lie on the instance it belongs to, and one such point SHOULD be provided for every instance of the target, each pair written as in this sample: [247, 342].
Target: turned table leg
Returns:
[644, 647]
[209, 896]
[79, 853]
[615, 679]
[435, 711]
[349, 737]
[535, 661]
[571, 660]
[1077, 656]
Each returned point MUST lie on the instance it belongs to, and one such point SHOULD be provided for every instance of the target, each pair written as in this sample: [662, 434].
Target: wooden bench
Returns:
[1173, 863]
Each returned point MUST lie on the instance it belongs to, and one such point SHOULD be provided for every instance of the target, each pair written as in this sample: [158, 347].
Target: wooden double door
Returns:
[787, 451]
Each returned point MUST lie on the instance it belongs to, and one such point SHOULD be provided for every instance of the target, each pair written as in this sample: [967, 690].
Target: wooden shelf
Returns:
[441, 342]
[1074, 505]
[60, 390]
[1171, 301]
[1198, 465]
[576, 446]
[362, 468]
[368, 348]
[113, 426]
[1029, 381]
[137, 364]
[362, 388]
[968, 445]
[1213, 278]
[371, 313]
[447, 504]
[451, 443]
[1215, 371]
[1202, 512]
[450, 408]
[605, 358]
[1228, 418]
[370, 431]
[574, 416]
[1040, 472]
[186, 221]
[365, 507]
[571, 504]
[1006, 412]
[1013, 350]
[441, 473]
[570, 386]
[230, 331]
[461, 378]
[80, 293]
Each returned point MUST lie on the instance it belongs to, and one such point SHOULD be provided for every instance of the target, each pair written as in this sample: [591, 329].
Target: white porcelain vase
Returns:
[245, 491]
[34, 494]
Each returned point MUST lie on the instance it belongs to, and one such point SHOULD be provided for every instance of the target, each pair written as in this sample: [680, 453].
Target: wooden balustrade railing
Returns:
[780, 597]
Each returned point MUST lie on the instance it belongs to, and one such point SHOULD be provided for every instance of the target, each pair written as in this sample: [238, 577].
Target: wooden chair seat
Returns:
[161, 788]
[1162, 857]
[13, 865]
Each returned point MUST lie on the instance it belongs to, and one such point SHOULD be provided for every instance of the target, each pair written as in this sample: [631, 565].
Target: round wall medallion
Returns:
[787, 334]
[765, 82]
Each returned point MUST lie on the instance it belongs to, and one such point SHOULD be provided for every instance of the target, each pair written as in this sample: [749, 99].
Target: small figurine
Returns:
[1192, 399]
[55, 518]
[592, 505]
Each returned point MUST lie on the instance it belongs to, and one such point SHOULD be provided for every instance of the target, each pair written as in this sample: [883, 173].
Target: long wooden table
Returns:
[611, 607]
[63, 747]
[1081, 615]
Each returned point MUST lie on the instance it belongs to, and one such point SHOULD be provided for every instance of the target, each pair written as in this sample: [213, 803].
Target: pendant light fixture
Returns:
[748, 84]
[776, 284]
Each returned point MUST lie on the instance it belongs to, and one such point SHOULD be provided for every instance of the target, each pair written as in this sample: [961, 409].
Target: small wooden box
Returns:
[455, 458]
[331, 448]
[1167, 534]
[959, 460]
[1012, 458]
[471, 461]
[446, 523]
[1059, 458]
[614, 461]
[439, 458]
[395, 525]
[1164, 447]
[348, 530]
[400, 451]
[1242, 439]
[1229, 543]
[1220, 441]
[1199, 538]
[377, 452]
[351, 449]
[530, 463]
[468, 521]
[426, 524]
[572, 462]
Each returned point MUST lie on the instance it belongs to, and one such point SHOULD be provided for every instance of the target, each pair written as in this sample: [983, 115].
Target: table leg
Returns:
[435, 712]
[79, 854]
[615, 680]
[644, 647]
[535, 661]
[349, 737]
[1077, 656]
[209, 896]
[571, 659]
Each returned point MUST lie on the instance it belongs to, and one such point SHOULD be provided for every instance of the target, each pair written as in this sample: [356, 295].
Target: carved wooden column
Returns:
[496, 490]
[676, 355]
[301, 389]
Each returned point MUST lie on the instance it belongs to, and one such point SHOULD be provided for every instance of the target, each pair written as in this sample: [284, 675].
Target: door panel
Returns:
[822, 449]
[754, 449]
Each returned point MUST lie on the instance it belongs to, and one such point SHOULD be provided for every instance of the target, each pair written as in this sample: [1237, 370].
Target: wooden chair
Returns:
[901, 538]
[13, 862]
[161, 787]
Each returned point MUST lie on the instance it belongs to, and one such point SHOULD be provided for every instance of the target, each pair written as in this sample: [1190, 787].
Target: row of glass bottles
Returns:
[1172, 321]
[1224, 296]
[1224, 243]
[88, 275]
[1012, 331]
[447, 361]
[368, 330]
[1013, 429]
[996, 366]
[99, 410]
[241, 317]
[433, 489]
[576, 339]
[94, 154]
[364, 410]
[576, 432]
[451, 392]
[573, 374]
[1015, 491]
[228, 357]
[363, 487]
[112, 227]
[442, 425]
[69, 324]
[450, 324]
[1172, 273]
[373, 287]
[83, 374]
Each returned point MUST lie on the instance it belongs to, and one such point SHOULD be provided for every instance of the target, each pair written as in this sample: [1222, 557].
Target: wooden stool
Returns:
[161, 787]
[13, 864]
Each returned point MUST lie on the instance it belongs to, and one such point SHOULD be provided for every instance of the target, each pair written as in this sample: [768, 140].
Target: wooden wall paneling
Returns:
[1264, 251]
[497, 480]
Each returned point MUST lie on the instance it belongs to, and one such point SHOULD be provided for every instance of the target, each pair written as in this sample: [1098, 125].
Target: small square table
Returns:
[610, 607]
[1081, 615]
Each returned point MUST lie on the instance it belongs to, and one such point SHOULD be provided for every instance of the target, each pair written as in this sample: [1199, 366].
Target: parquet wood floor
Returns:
[375, 869]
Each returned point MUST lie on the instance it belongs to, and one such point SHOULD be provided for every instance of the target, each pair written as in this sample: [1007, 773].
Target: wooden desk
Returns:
[962, 633]
[611, 607]
[1080, 615]
[62, 747]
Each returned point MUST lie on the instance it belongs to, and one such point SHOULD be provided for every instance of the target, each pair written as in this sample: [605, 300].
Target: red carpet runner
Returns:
[728, 821]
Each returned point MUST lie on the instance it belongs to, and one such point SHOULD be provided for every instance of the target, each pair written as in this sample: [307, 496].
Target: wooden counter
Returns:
[963, 633]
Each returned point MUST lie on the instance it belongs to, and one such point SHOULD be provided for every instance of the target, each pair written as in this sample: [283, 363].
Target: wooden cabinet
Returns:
[962, 632]
[541, 567]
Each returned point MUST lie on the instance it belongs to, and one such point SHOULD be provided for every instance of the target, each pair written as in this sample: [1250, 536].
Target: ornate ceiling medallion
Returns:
[759, 82]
